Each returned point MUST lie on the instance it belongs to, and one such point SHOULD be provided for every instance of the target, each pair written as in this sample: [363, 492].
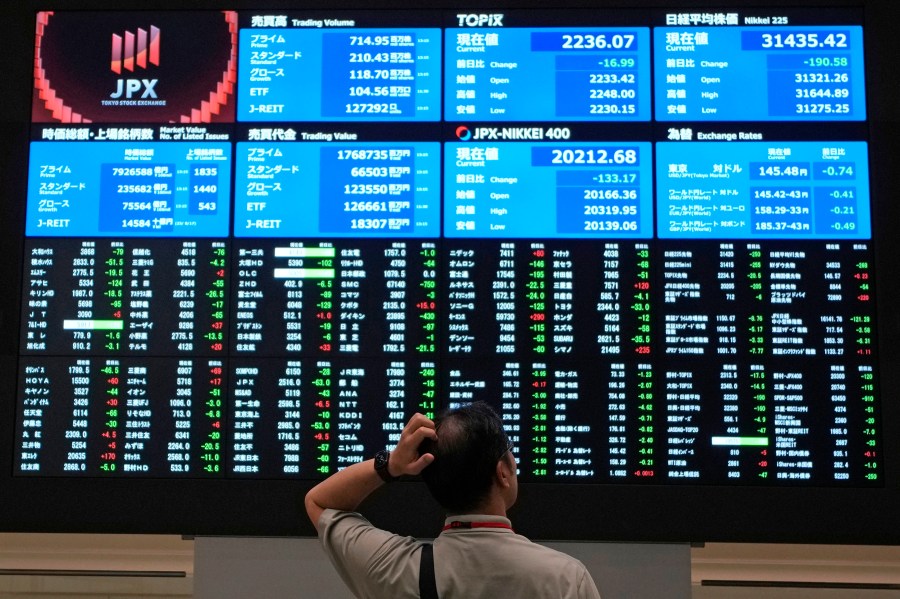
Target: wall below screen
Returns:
[65, 566]
[168, 565]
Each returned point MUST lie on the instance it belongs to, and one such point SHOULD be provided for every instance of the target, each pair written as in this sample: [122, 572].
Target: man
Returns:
[466, 460]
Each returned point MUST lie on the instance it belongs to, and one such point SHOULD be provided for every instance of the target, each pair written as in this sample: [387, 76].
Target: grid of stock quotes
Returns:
[376, 214]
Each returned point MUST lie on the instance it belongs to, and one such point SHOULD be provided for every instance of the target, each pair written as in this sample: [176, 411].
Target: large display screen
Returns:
[254, 242]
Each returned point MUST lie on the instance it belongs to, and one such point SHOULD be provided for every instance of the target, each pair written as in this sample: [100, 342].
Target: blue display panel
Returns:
[548, 190]
[337, 190]
[764, 190]
[759, 73]
[345, 75]
[587, 74]
[150, 189]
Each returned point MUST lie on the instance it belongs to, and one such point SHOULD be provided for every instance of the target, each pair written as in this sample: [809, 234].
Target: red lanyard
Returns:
[456, 524]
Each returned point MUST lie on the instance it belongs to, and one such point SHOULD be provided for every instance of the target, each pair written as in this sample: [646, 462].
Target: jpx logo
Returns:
[480, 20]
[130, 51]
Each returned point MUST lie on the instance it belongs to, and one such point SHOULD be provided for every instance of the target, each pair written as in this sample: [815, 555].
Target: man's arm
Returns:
[346, 489]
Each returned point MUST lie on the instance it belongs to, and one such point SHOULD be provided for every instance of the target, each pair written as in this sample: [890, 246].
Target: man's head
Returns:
[472, 464]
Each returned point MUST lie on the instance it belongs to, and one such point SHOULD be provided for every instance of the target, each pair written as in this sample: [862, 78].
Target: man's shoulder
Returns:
[368, 559]
[571, 574]
[516, 566]
[544, 552]
[329, 516]
[352, 530]
[519, 548]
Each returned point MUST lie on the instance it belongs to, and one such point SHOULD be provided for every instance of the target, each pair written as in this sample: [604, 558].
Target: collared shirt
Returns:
[470, 563]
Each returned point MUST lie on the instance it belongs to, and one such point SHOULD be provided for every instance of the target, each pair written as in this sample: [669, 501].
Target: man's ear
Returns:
[503, 472]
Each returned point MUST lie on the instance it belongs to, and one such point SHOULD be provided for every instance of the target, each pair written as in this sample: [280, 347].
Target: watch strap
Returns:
[382, 458]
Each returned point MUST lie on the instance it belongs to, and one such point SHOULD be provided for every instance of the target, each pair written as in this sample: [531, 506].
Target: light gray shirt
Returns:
[470, 563]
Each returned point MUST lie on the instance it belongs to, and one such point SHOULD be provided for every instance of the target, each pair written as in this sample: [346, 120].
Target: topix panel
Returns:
[592, 74]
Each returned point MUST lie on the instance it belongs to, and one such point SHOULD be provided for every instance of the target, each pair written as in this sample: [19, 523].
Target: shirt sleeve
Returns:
[586, 587]
[372, 562]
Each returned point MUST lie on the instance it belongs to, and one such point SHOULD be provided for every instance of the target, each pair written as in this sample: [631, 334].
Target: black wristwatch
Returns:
[381, 466]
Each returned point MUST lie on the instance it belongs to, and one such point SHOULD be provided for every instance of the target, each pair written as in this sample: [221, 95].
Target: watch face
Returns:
[381, 460]
[381, 465]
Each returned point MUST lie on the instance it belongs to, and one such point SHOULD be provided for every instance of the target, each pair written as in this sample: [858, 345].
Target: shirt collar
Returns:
[502, 524]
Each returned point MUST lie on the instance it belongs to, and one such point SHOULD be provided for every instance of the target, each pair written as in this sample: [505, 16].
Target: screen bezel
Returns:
[566, 511]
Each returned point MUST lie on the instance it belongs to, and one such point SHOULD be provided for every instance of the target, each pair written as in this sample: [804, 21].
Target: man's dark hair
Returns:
[470, 441]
